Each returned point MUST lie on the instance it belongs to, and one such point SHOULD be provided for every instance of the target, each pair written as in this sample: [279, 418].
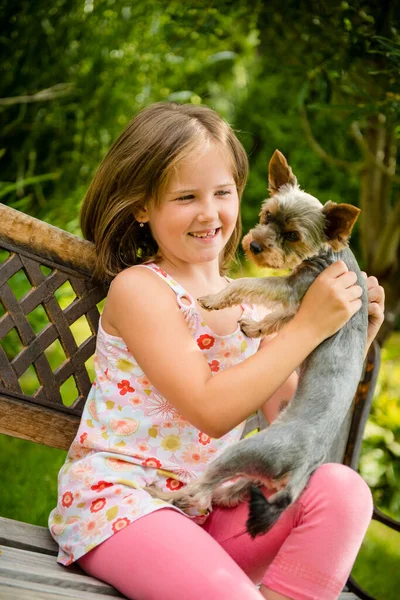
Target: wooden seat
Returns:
[49, 258]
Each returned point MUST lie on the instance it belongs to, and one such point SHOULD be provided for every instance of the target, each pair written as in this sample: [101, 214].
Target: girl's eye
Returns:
[189, 197]
[292, 236]
[223, 192]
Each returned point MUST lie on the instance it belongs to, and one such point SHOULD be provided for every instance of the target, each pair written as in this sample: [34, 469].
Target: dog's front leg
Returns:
[266, 291]
[271, 323]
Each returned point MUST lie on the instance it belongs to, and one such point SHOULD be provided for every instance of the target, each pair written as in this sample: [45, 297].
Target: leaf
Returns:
[219, 56]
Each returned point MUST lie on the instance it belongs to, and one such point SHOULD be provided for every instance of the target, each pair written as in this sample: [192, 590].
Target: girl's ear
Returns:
[141, 215]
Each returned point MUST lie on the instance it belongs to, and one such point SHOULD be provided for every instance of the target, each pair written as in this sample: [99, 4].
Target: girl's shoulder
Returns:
[138, 277]
[141, 286]
[146, 278]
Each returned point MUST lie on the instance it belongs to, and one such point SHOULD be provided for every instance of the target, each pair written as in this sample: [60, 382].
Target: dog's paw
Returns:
[208, 302]
[232, 494]
[199, 499]
[250, 328]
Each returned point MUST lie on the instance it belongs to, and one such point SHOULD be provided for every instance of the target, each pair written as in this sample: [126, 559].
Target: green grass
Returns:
[377, 566]
[28, 479]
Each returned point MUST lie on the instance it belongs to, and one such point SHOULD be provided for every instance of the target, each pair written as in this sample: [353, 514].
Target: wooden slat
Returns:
[30, 573]
[47, 241]
[35, 573]
[36, 569]
[27, 537]
[15, 590]
[38, 424]
[12, 590]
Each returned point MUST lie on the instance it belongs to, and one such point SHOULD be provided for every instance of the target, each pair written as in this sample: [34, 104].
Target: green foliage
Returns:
[380, 458]
[115, 58]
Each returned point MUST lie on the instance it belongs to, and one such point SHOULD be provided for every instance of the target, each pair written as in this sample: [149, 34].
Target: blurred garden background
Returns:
[318, 79]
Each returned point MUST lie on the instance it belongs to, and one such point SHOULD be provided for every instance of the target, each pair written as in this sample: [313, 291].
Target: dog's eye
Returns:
[291, 236]
[268, 217]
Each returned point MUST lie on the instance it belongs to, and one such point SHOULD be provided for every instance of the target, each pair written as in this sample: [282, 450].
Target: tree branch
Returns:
[351, 166]
[370, 156]
[56, 91]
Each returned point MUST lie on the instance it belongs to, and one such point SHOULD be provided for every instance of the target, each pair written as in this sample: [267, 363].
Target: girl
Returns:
[174, 385]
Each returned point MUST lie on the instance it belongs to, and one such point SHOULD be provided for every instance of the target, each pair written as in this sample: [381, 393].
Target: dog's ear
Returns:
[279, 173]
[340, 219]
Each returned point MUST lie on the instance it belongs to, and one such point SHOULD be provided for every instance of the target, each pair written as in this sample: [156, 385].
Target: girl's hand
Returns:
[376, 307]
[332, 299]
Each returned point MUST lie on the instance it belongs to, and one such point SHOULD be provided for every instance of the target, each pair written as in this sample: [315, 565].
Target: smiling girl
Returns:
[174, 385]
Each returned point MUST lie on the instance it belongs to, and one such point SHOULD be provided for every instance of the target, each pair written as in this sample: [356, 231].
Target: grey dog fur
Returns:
[298, 441]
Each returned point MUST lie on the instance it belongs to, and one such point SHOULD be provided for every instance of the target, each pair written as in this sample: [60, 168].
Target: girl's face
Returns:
[198, 209]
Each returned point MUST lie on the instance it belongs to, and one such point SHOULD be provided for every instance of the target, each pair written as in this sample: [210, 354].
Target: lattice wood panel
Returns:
[29, 349]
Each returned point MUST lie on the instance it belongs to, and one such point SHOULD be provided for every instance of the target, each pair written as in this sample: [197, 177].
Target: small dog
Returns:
[295, 231]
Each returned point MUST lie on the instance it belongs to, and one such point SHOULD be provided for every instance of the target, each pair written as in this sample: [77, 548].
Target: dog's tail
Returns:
[264, 513]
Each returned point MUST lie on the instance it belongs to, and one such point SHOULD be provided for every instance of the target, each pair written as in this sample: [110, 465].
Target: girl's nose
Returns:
[209, 209]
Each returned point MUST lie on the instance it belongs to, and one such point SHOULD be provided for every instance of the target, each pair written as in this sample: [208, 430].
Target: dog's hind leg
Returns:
[233, 494]
[264, 512]
[200, 493]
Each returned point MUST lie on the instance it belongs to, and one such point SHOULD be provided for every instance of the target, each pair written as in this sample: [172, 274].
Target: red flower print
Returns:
[204, 439]
[120, 524]
[97, 505]
[173, 484]
[205, 341]
[100, 486]
[152, 462]
[214, 366]
[67, 499]
[83, 437]
[125, 387]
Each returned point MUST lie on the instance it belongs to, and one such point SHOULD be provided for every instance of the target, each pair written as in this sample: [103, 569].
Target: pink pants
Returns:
[308, 553]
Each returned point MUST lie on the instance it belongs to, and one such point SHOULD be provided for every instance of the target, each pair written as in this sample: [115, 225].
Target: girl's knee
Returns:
[342, 490]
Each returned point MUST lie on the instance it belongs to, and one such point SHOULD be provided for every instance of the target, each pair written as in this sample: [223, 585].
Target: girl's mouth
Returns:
[209, 233]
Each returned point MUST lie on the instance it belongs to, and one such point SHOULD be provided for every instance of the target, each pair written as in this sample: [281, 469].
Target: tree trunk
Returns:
[380, 221]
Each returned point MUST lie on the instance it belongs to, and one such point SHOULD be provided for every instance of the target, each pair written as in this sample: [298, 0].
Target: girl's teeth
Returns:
[203, 235]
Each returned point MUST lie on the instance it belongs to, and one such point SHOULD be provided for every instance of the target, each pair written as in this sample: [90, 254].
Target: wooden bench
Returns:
[50, 257]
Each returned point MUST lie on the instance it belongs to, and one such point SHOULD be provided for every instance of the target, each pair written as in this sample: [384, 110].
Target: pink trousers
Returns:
[307, 555]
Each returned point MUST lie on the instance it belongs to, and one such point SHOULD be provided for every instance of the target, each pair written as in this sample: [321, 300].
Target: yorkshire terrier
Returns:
[297, 232]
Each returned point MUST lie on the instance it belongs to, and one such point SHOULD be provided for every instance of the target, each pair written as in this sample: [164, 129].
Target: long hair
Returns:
[134, 173]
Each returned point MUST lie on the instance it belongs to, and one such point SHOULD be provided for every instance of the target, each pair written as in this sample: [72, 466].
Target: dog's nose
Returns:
[256, 248]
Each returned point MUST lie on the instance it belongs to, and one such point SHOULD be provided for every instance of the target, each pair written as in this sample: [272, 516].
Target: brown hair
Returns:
[134, 173]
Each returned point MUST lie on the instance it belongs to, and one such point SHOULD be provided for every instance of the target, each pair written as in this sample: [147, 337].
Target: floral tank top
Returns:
[131, 437]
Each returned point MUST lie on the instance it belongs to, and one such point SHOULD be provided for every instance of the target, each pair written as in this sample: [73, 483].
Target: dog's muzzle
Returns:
[256, 248]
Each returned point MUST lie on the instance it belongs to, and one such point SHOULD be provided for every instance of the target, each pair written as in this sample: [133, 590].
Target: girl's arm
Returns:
[145, 313]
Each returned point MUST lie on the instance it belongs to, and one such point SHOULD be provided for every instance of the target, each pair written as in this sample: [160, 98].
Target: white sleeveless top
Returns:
[130, 436]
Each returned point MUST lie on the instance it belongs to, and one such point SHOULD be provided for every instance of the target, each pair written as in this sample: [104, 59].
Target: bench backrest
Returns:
[43, 259]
